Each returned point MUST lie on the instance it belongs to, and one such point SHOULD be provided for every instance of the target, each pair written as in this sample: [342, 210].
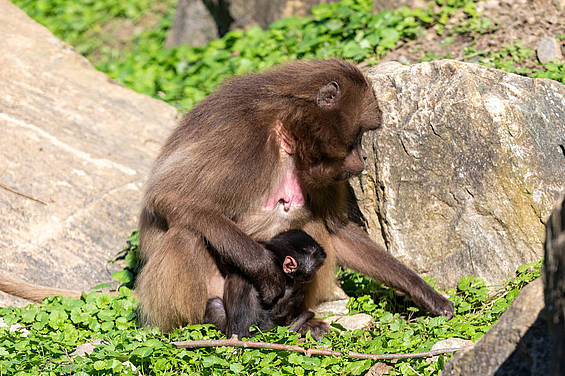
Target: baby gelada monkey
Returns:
[300, 257]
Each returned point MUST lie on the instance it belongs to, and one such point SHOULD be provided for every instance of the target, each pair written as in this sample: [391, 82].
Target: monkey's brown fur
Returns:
[33, 292]
[299, 257]
[266, 153]
[206, 203]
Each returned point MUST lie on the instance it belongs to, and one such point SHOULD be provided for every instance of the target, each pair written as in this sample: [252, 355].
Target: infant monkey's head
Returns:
[300, 255]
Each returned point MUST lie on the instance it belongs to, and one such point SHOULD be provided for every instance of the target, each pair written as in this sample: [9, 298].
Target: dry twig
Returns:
[234, 342]
[22, 194]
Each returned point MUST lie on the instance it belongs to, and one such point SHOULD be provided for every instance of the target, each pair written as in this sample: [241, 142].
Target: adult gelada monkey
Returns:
[266, 153]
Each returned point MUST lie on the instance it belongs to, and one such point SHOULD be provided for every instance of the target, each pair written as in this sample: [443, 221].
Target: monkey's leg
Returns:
[172, 284]
[242, 305]
[215, 314]
[355, 250]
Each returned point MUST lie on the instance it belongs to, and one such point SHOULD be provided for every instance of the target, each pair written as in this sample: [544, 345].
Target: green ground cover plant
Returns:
[46, 336]
[86, 24]
[511, 57]
[184, 75]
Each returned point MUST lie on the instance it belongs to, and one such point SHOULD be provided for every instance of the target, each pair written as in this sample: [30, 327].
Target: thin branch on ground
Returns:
[22, 194]
[234, 342]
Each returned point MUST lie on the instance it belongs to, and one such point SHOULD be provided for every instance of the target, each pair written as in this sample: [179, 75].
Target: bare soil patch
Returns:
[526, 20]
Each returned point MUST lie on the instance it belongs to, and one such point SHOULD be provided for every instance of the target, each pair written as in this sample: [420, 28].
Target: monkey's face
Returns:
[354, 162]
[309, 260]
[300, 254]
[331, 149]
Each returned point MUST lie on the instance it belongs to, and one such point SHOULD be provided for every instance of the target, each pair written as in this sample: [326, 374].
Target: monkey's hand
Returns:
[269, 280]
[235, 248]
[434, 302]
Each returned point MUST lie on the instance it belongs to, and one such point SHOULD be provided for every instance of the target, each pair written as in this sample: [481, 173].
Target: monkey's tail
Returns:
[33, 292]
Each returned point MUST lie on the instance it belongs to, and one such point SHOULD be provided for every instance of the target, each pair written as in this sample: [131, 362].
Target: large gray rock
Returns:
[518, 345]
[200, 21]
[76, 141]
[529, 339]
[194, 24]
[466, 168]
[554, 284]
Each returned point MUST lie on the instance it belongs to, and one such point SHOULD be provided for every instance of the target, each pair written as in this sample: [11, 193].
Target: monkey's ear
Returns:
[328, 95]
[289, 265]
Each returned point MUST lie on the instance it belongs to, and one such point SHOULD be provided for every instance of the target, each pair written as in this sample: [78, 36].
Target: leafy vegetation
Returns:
[41, 340]
[184, 75]
[90, 25]
[126, 276]
[511, 59]
[473, 21]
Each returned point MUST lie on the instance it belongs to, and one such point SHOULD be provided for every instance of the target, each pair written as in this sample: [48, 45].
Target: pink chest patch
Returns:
[288, 193]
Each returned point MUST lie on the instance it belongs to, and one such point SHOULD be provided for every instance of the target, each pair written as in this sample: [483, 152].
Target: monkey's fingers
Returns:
[436, 304]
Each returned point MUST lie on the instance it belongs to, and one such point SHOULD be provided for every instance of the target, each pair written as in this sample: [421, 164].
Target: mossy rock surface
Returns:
[467, 166]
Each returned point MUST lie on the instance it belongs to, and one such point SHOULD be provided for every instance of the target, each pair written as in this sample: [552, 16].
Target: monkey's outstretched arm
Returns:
[357, 251]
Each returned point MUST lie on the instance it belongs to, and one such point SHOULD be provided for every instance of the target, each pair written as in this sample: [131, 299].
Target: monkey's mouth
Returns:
[346, 175]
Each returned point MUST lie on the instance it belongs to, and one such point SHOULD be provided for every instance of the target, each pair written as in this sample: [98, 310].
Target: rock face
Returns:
[194, 24]
[528, 339]
[465, 169]
[554, 283]
[77, 143]
[518, 345]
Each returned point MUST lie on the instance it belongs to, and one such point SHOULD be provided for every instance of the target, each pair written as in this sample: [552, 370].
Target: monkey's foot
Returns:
[316, 327]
